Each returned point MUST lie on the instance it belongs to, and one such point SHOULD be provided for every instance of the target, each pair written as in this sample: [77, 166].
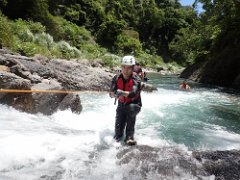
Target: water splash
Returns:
[69, 146]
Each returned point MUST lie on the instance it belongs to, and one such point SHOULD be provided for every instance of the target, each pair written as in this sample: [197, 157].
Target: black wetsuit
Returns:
[126, 112]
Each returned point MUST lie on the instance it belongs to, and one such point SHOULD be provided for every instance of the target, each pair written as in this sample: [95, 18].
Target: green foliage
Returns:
[128, 45]
[148, 60]
[67, 50]
[155, 31]
[92, 51]
[44, 39]
[208, 34]
[109, 30]
[6, 32]
[38, 10]
[70, 32]
[110, 60]
[3, 3]
[22, 27]
[30, 49]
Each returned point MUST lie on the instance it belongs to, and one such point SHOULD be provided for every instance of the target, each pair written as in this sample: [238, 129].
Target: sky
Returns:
[189, 3]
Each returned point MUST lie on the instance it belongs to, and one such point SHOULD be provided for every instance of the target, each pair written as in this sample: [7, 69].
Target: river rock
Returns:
[148, 87]
[20, 101]
[47, 103]
[222, 164]
[71, 101]
[80, 76]
[163, 163]
[49, 74]
[171, 162]
[159, 69]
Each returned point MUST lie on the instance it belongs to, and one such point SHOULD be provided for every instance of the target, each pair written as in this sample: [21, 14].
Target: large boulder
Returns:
[23, 73]
[40, 73]
[163, 163]
[171, 162]
[20, 101]
[80, 75]
[223, 164]
[47, 103]
[36, 102]
[71, 101]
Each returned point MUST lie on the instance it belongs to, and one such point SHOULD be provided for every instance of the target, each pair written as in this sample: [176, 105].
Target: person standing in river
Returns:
[184, 86]
[126, 87]
[138, 70]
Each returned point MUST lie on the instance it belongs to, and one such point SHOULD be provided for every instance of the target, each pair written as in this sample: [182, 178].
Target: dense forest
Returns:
[155, 31]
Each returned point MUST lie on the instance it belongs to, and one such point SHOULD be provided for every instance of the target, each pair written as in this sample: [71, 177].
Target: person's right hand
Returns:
[120, 92]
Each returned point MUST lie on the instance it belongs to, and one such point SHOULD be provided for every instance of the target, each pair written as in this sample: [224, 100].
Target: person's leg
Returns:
[120, 123]
[133, 110]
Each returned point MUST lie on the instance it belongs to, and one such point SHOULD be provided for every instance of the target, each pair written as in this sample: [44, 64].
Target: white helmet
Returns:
[128, 60]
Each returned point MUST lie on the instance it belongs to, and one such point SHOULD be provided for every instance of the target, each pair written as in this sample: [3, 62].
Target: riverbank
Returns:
[221, 67]
[40, 73]
[50, 84]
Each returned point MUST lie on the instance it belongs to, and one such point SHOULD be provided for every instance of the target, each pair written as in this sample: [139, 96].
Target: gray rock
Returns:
[160, 69]
[80, 76]
[71, 101]
[164, 163]
[47, 103]
[148, 87]
[44, 74]
[20, 101]
[97, 63]
[223, 164]
[175, 163]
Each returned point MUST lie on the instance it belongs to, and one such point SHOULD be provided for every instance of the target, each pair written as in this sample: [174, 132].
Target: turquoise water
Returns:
[67, 146]
[205, 118]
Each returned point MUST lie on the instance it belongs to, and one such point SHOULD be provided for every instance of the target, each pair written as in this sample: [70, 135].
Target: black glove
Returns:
[119, 92]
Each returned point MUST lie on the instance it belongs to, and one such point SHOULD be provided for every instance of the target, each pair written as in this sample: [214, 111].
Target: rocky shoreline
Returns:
[23, 73]
[39, 73]
[222, 68]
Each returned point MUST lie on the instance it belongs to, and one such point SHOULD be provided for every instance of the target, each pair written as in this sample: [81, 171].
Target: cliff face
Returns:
[222, 66]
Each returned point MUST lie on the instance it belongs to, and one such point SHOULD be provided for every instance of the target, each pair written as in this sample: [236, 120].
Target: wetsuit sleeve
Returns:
[113, 86]
[136, 87]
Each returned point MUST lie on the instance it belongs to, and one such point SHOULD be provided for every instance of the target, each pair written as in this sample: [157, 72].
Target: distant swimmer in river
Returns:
[184, 86]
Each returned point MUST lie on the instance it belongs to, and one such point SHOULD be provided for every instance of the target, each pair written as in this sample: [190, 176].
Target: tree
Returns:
[109, 31]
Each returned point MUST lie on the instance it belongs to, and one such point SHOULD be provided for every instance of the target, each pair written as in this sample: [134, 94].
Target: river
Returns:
[71, 146]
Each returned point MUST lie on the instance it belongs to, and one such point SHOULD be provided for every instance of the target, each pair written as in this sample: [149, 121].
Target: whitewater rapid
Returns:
[80, 146]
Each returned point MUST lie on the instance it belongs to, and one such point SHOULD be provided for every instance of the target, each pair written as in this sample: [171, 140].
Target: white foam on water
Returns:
[219, 138]
[71, 146]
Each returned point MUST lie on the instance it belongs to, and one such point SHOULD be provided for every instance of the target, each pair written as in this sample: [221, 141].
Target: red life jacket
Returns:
[128, 86]
[184, 86]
